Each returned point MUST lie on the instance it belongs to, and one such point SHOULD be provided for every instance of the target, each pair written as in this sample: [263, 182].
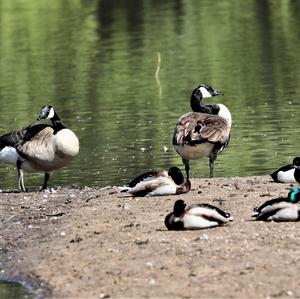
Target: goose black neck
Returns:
[197, 106]
[57, 124]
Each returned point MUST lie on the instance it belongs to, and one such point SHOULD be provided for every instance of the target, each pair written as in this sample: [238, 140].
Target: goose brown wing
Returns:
[32, 142]
[194, 128]
[19, 137]
[40, 145]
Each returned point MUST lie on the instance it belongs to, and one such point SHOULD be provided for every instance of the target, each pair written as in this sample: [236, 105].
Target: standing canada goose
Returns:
[205, 132]
[287, 173]
[196, 216]
[39, 147]
[280, 209]
[155, 183]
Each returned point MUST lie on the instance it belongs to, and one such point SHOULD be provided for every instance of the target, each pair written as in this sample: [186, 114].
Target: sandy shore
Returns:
[100, 243]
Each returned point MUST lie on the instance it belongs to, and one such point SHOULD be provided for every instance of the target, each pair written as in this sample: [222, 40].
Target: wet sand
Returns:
[100, 243]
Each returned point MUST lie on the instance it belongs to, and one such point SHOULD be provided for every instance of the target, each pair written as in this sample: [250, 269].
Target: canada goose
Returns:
[288, 173]
[39, 147]
[196, 216]
[205, 132]
[280, 209]
[155, 183]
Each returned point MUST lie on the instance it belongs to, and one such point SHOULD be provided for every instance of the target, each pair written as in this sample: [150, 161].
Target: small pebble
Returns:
[148, 264]
[202, 237]
[141, 242]
[289, 293]
[152, 281]
[125, 206]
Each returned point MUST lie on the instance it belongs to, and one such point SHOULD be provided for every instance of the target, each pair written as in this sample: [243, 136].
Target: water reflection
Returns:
[95, 61]
[11, 290]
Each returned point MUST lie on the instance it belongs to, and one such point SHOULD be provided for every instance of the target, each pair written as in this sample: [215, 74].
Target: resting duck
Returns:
[280, 209]
[205, 132]
[196, 216]
[288, 173]
[39, 147]
[158, 183]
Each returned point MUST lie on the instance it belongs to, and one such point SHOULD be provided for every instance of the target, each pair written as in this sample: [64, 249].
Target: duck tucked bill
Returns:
[158, 183]
[196, 216]
[280, 209]
[288, 173]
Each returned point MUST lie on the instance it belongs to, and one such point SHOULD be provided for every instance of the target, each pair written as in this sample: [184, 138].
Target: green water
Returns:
[95, 62]
[11, 290]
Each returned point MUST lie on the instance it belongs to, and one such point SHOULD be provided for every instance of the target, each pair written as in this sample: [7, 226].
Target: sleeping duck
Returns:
[280, 209]
[196, 216]
[155, 183]
[205, 132]
[39, 147]
[288, 173]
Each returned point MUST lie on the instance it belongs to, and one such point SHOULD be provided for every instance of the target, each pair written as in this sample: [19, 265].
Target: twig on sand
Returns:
[59, 214]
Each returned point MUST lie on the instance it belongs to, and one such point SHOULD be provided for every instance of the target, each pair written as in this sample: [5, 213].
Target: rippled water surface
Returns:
[11, 290]
[95, 62]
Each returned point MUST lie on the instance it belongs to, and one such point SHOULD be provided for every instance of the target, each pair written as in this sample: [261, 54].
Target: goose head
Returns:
[46, 112]
[176, 175]
[206, 91]
[294, 195]
[203, 91]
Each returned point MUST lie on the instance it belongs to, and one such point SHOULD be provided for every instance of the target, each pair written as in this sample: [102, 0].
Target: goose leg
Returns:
[20, 177]
[187, 167]
[46, 178]
[211, 167]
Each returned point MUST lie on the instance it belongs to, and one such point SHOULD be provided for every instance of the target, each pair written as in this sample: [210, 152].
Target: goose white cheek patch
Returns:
[51, 113]
[205, 93]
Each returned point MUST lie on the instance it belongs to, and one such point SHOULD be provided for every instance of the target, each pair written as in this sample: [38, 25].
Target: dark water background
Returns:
[95, 62]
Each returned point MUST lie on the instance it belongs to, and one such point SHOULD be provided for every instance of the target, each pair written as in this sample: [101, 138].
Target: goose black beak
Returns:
[217, 93]
[40, 116]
